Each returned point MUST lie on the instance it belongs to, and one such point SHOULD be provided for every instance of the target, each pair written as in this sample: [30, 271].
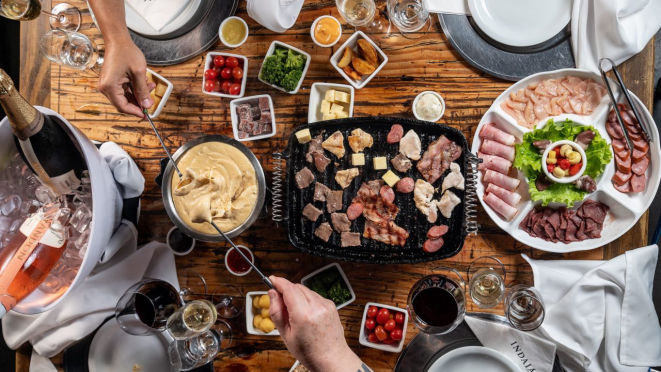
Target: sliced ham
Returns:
[490, 132]
[498, 149]
[496, 163]
[499, 179]
[509, 197]
[502, 208]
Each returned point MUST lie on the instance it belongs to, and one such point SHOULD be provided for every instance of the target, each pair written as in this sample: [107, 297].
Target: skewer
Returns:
[144, 111]
[614, 103]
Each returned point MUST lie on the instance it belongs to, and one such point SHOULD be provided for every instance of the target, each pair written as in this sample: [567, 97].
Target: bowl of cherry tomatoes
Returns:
[383, 327]
[225, 75]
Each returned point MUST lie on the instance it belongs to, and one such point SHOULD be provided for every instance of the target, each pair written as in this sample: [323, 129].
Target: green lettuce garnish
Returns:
[529, 160]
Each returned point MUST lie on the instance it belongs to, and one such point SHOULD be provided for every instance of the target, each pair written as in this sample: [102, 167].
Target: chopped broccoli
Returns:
[273, 70]
[339, 293]
[290, 81]
[280, 53]
[317, 286]
[294, 61]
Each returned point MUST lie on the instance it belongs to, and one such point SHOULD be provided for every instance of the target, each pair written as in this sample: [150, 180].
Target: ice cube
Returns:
[51, 285]
[15, 226]
[5, 224]
[82, 240]
[81, 218]
[45, 195]
[29, 207]
[82, 252]
[10, 205]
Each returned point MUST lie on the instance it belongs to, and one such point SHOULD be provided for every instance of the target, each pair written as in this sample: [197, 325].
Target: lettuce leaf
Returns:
[565, 193]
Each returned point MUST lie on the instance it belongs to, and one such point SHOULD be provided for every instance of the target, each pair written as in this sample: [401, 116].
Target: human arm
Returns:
[311, 329]
[124, 66]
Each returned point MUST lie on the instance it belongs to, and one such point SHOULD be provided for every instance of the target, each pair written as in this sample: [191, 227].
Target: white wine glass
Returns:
[63, 16]
[410, 16]
[71, 49]
[363, 14]
[486, 277]
[202, 349]
[192, 319]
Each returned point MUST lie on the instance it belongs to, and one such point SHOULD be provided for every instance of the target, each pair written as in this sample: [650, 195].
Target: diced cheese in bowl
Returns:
[334, 105]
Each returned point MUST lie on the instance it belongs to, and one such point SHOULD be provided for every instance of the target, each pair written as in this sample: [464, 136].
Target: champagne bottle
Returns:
[31, 254]
[42, 141]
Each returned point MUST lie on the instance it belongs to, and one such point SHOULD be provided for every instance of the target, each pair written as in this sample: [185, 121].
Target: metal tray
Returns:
[301, 231]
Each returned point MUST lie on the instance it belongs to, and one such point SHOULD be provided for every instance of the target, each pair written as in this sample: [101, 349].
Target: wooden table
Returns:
[428, 63]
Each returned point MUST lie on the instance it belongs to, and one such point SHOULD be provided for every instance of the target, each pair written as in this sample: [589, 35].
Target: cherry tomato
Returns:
[557, 152]
[392, 316]
[219, 61]
[372, 337]
[218, 70]
[226, 73]
[564, 164]
[372, 311]
[210, 74]
[237, 73]
[396, 334]
[209, 85]
[235, 89]
[383, 316]
[381, 333]
[216, 86]
[370, 323]
[390, 325]
[574, 169]
[237, 81]
[388, 340]
[225, 86]
[550, 167]
[399, 318]
[231, 62]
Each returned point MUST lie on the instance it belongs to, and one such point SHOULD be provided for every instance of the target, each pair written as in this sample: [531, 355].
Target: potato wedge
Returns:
[352, 73]
[368, 51]
[346, 58]
[362, 66]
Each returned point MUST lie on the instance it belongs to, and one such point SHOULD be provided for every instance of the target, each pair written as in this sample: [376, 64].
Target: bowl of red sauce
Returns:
[236, 264]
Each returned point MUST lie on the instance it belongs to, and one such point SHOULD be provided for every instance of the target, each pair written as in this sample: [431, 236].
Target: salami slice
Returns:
[638, 183]
[640, 166]
[626, 188]
[623, 165]
[627, 118]
[621, 178]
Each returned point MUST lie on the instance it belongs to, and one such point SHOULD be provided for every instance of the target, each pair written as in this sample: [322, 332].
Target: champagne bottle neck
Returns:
[25, 120]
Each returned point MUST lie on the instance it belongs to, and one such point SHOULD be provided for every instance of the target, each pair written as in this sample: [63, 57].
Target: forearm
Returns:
[349, 362]
[111, 20]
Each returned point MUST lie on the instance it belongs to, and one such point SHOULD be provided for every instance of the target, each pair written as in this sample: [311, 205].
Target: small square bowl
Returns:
[208, 63]
[270, 53]
[250, 315]
[318, 93]
[352, 43]
[306, 279]
[165, 97]
[394, 347]
[235, 117]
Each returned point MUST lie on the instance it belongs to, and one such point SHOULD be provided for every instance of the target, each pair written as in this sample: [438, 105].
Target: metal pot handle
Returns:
[470, 222]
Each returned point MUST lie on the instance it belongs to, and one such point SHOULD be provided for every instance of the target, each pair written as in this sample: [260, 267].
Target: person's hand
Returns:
[311, 329]
[123, 78]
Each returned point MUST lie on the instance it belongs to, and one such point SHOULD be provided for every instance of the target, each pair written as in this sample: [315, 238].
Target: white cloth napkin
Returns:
[130, 181]
[617, 29]
[449, 6]
[529, 352]
[276, 15]
[158, 13]
[600, 314]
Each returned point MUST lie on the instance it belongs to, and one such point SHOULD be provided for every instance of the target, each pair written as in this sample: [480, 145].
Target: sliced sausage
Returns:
[405, 185]
[623, 165]
[634, 129]
[626, 188]
[638, 155]
[614, 130]
[387, 193]
[638, 183]
[624, 154]
[621, 178]
[432, 245]
[640, 166]
[618, 145]
[354, 211]
[396, 133]
[612, 116]
[641, 145]
[436, 232]
[627, 117]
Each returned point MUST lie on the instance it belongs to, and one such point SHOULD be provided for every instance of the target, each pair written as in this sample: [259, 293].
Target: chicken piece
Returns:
[447, 203]
[423, 193]
[401, 163]
[335, 144]
[359, 140]
[453, 179]
[410, 145]
[344, 177]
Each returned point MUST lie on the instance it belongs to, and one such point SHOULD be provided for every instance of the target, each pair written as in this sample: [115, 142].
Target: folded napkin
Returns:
[529, 352]
[449, 6]
[600, 314]
[617, 29]
[158, 13]
[276, 15]
[130, 181]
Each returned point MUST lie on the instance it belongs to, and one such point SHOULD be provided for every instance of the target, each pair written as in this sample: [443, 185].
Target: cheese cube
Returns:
[160, 89]
[330, 95]
[303, 136]
[380, 162]
[330, 116]
[342, 97]
[325, 107]
[390, 178]
[357, 159]
[341, 115]
[335, 107]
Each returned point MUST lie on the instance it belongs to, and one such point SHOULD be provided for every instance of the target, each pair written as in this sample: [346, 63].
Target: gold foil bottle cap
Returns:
[6, 84]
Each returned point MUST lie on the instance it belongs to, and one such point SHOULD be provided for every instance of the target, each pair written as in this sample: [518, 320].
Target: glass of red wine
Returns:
[437, 303]
[144, 308]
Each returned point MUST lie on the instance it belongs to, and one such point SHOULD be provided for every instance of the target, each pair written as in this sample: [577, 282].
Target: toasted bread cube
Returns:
[325, 107]
[380, 162]
[303, 136]
[358, 159]
[150, 77]
[160, 89]
[390, 178]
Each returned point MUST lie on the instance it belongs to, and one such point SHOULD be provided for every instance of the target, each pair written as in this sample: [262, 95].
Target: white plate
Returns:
[625, 210]
[473, 358]
[521, 23]
[138, 24]
[112, 349]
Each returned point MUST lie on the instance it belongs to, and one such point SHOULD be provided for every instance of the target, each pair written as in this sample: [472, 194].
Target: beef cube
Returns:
[334, 201]
[256, 112]
[264, 104]
[350, 239]
[243, 134]
[311, 212]
[324, 231]
[320, 192]
[266, 117]
[304, 178]
[340, 222]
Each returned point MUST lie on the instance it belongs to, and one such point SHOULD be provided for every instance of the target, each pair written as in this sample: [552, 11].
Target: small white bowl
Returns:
[415, 102]
[177, 253]
[305, 280]
[250, 316]
[270, 53]
[165, 97]
[252, 259]
[220, 32]
[314, 25]
[208, 63]
[575, 147]
[394, 347]
[235, 118]
[318, 93]
[352, 42]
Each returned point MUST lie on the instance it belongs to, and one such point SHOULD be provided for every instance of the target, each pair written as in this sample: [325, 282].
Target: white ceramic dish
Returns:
[521, 23]
[352, 43]
[395, 347]
[314, 25]
[473, 358]
[417, 98]
[318, 93]
[250, 316]
[305, 280]
[235, 118]
[625, 210]
[137, 23]
[165, 97]
[220, 32]
[576, 148]
[177, 253]
[252, 259]
[208, 63]
[112, 349]
[305, 69]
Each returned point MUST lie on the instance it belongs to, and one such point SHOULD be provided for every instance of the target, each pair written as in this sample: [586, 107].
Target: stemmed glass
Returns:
[229, 301]
[71, 49]
[524, 307]
[410, 16]
[364, 14]
[63, 16]
[192, 285]
[487, 281]
[199, 350]
[144, 309]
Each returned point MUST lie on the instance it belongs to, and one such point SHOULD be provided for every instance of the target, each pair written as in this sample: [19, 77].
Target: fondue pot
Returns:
[166, 189]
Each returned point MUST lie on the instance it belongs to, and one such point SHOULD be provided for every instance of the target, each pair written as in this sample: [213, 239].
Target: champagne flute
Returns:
[229, 301]
[192, 319]
[63, 16]
[71, 49]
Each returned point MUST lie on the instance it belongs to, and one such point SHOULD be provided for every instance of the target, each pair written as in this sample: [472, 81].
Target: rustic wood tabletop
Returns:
[415, 65]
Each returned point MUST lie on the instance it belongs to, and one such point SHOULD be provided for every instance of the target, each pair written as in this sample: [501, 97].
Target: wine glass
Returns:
[63, 16]
[410, 16]
[71, 49]
[144, 309]
[363, 14]
[229, 301]
[192, 319]
[524, 307]
[192, 285]
[486, 283]
[199, 350]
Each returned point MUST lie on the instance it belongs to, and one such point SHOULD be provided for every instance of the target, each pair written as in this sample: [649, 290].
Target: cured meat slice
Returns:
[499, 179]
[509, 197]
[500, 206]
[436, 232]
[614, 130]
[640, 166]
[433, 245]
[438, 157]
[621, 178]
[490, 132]
[498, 149]
[405, 185]
[638, 155]
[641, 145]
[387, 193]
[354, 211]
[619, 145]
[500, 165]
[395, 134]
[626, 188]
[638, 183]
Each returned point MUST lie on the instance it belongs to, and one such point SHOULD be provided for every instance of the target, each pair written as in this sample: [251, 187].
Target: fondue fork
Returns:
[144, 111]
